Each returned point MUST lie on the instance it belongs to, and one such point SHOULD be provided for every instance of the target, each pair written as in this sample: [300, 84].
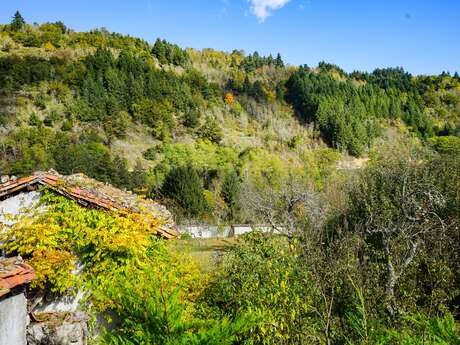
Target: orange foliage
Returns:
[229, 98]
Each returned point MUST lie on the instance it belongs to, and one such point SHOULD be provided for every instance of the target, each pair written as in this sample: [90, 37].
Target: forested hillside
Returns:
[122, 110]
[358, 173]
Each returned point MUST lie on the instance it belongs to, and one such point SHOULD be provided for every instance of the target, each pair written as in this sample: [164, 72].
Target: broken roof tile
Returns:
[14, 272]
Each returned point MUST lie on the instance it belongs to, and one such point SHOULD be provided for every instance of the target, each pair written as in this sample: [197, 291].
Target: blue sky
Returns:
[423, 36]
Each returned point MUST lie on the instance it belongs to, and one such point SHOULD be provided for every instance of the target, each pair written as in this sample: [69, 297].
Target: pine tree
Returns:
[184, 185]
[192, 118]
[122, 175]
[18, 22]
[270, 60]
[137, 178]
[279, 61]
[247, 85]
[258, 91]
[229, 192]
[159, 51]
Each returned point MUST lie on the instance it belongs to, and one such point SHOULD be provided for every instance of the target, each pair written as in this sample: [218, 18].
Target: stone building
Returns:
[20, 197]
[14, 318]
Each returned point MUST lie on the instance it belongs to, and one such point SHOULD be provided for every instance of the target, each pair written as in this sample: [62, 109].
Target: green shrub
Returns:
[420, 329]
[151, 309]
[261, 274]
[151, 153]
[34, 120]
[447, 144]
[211, 130]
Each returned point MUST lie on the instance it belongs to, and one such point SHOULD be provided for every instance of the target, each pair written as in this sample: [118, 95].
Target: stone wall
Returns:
[64, 329]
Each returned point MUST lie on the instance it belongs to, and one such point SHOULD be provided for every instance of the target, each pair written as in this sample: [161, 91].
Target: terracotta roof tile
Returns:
[14, 272]
[91, 193]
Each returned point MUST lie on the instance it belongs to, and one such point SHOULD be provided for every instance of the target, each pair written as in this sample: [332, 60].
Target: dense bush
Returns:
[447, 144]
[261, 275]
[384, 270]
[400, 210]
[152, 307]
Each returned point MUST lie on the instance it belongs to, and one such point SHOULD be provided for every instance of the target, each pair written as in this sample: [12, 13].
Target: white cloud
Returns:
[262, 8]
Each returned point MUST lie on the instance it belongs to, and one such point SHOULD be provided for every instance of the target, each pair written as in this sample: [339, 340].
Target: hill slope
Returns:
[139, 115]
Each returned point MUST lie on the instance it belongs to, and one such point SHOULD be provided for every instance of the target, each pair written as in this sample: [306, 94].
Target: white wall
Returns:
[205, 231]
[16, 204]
[241, 229]
[13, 320]
[214, 231]
[13, 309]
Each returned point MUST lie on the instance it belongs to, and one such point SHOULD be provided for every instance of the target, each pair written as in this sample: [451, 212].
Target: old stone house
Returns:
[20, 196]
[14, 275]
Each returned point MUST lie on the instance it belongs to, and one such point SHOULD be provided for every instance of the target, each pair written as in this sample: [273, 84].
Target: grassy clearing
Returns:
[206, 252]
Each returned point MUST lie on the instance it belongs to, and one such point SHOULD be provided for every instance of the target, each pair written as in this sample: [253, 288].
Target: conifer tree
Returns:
[18, 22]
[229, 193]
[279, 61]
[159, 51]
[184, 185]
[247, 85]
[270, 60]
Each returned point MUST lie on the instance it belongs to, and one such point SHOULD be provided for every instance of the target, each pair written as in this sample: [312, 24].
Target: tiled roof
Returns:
[14, 272]
[91, 193]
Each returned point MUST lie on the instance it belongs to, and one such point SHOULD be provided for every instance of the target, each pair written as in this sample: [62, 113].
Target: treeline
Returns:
[347, 113]
[127, 84]
[254, 61]
[51, 36]
[168, 53]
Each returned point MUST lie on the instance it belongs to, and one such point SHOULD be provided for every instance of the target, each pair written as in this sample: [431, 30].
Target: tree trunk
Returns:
[392, 275]
[391, 279]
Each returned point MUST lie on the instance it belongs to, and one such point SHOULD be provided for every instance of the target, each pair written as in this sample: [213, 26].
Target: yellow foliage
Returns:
[271, 96]
[110, 255]
[229, 98]
[49, 46]
[174, 272]
[53, 241]
[54, 268]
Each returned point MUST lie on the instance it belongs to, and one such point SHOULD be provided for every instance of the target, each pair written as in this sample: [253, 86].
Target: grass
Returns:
[206, 252]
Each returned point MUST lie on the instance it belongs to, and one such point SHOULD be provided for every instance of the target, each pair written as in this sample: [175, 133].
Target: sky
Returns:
[422, 36]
